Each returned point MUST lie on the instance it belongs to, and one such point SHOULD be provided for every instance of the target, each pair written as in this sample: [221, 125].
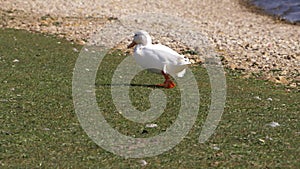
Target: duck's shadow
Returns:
[131, 85]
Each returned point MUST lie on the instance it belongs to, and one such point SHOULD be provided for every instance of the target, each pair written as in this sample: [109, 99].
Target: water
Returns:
[288, 10]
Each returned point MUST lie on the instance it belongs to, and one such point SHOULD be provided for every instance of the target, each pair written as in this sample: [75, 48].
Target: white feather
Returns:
[158, 56]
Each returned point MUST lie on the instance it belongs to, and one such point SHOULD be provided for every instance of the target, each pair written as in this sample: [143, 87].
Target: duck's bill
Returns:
[131, 45]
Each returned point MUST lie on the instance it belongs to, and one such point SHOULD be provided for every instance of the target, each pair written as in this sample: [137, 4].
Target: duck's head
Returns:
[140, 37]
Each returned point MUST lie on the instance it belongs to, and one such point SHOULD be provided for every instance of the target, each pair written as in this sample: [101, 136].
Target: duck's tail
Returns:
[181, 74]
[177, 70]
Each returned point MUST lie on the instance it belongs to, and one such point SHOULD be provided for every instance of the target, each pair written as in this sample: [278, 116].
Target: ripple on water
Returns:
[286, 9]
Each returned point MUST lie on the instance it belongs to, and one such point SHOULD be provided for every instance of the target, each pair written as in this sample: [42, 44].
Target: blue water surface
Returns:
[286, 9]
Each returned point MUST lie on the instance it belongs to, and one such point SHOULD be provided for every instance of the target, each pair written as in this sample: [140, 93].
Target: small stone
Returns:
[261, 140]
[282, 80]
[232, 66]
[269, 138]
[143, 163]
[80, 42]
[257, 97]
[216, 148]
[44, 23]
[273, 124]
[269, 99]
[297, 79]
[151, 125]
[255, 47]
[293, 85]
[16, 61]
[75, 50]
[192, 61]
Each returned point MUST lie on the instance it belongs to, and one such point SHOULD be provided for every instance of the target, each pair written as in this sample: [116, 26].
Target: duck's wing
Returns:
[165, 55]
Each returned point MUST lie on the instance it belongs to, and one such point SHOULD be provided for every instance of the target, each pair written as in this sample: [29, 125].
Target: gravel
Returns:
[253, 43]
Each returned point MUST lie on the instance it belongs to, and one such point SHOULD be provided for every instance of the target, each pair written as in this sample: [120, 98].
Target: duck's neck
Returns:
[147, 41]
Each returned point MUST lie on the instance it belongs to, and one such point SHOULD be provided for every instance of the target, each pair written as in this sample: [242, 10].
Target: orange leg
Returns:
[168, 82]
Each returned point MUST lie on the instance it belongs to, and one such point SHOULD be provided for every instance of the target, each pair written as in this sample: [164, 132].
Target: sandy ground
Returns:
[250, 42]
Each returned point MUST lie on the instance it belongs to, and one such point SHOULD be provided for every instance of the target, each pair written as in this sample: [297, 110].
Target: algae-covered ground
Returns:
[39, 128]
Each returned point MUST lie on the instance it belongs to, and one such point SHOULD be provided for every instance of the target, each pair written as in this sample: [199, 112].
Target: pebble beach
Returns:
[250, 42]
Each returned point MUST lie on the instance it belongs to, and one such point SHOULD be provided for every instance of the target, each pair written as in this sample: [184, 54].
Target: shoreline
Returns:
[255, 9]
[252, 42]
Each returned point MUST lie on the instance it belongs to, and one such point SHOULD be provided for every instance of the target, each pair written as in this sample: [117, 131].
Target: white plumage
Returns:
[158, 58]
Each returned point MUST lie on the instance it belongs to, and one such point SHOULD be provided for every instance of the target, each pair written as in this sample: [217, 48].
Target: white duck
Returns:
[158, 57]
